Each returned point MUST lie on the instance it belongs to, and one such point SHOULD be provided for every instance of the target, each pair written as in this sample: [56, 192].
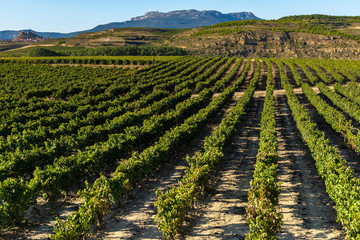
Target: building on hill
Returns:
[28, 36]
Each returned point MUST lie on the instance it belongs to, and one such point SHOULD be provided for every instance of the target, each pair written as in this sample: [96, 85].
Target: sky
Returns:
[76, 15]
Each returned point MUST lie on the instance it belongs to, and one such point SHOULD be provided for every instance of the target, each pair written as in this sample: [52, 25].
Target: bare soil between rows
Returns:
[222, 215]
[137, 214]
[136, 218]
[308, 211]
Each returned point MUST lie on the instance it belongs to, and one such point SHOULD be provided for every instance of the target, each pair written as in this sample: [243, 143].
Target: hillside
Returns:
[28, 36]
[307, 36]
[301, 36]
[119, 37]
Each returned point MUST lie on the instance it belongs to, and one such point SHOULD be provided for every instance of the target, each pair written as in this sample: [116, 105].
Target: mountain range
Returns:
[174, 19]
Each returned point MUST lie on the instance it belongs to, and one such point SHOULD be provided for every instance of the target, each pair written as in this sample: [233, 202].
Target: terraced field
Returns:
[188, 148]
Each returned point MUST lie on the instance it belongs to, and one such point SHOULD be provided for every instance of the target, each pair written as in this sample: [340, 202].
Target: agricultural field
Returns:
[179, 147]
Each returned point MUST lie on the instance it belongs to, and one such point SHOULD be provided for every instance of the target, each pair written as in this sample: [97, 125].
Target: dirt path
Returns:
[238, 94]
[136, 218]
[354, 122]
[223, 216]
[303, 75]
[308, 211]
[307, 214]
[42, 219]
[241, 69]
[289, 73]
[231, 67]
[140, 211]
[248, 77]
[29, 46]
[335, 139]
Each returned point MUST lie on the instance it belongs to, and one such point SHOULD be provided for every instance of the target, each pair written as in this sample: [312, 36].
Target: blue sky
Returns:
[75, 15]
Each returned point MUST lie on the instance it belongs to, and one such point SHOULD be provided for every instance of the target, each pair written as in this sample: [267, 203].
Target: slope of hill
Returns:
[119, 37]
[308, 36]
[28, 36]
[299, 36]
[174, 19]
[8, 35]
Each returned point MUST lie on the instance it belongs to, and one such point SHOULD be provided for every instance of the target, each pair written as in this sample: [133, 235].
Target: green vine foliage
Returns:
[174, 204]
[263, 212]
[341, 184]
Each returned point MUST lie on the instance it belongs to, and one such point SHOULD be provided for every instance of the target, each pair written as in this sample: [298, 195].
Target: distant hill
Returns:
[118, 37]
[174, 19]
[28, 36]
[10, 35]
[307, 36]
[178, 19]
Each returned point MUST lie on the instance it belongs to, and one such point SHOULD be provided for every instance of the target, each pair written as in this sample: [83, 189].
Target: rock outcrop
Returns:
[266, 43]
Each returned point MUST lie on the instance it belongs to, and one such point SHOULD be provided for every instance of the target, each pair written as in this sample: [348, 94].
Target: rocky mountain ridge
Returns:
[178, 19]
[175, 19]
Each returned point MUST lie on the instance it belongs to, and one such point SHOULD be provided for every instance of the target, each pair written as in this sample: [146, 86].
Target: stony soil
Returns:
[307, 209]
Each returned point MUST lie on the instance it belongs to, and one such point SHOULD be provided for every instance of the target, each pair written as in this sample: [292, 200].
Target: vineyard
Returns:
[179, 147]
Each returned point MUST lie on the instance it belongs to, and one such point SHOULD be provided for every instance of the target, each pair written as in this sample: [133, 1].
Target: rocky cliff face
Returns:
[265, 43]
[178, 19]
[192, 14]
